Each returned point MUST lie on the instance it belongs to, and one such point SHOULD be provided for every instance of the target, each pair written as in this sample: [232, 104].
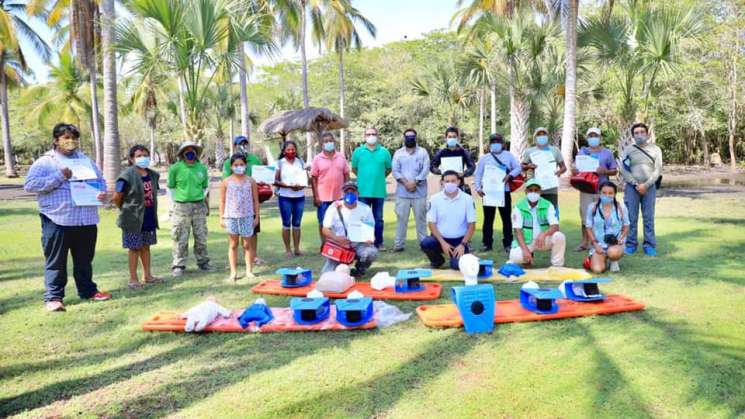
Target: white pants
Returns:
[556, 242]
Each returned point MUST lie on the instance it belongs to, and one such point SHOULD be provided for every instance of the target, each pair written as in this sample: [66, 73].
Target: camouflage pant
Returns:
[186, 216]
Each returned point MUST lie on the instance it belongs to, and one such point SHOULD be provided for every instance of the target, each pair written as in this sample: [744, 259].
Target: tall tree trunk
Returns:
[519, 114]
[481, 121]
[493, 116]
[232, 135]
[342, 88]
[243, 79]
[570, 85]
[10, 166]
[181, 103]
[304, 58]
[152, 144]
[732, 117]
[97, 140]
[112, 153]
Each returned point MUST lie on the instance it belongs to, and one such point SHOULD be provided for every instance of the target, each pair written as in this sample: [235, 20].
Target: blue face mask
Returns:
[541, 140]
[495, 148]
[190, 155]
[605, 200]
[452, 142]
[329, 146]
[593, 141]
[350, 198]
[143, 162]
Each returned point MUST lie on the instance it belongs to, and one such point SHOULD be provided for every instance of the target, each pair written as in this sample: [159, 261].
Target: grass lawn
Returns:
[683, 356]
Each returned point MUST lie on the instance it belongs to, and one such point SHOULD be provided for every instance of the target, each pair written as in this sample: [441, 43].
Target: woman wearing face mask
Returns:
[292, 179]
[499, 157]
[239, 214]
[454, 152]
[137, 198]
[606, 168]
[542, 144]
[607, 225]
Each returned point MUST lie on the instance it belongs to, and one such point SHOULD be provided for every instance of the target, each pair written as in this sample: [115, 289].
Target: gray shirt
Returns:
[411, 166]
[637, 168]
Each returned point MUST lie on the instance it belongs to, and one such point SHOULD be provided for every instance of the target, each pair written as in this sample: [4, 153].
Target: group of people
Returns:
[445, 222]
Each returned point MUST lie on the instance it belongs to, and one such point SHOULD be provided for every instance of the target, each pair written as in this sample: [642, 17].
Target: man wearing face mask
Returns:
[542, 145]
[65, 227]
[641, 169]
[410, 169]
[499, 157]
[329, 171]
[606, 168]
[452, 220]
[453, 149]
[336, 224]
[188, 182]
[536, 228]
[371, 162]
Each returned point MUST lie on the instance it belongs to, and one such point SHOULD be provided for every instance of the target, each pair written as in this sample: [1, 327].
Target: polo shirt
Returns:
[451, 215]
[329, 172]
[360, 213]
[187, 182]
[371, 168]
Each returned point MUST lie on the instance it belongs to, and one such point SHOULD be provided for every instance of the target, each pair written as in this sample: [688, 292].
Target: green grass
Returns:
[683, 356]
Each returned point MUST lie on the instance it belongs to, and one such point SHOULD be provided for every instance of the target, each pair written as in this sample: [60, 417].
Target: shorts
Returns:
[291, 211]
[243, 226]
[134, 241]
[321, 212]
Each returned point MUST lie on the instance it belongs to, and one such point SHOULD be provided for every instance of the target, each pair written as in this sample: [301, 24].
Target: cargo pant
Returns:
[185, 217]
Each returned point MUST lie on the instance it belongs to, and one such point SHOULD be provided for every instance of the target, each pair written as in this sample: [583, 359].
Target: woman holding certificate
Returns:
[291, 179]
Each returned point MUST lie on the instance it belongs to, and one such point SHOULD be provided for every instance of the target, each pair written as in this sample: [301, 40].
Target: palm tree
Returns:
[14, 28]
[570, 85]
[340, 35]
[112, 151]
[477, 63]
[444, 86]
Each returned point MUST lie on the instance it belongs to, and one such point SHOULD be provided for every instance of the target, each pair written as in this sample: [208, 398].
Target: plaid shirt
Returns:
[45, 178]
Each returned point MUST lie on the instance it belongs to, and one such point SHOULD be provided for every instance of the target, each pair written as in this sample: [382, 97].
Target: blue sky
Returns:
[396, 20]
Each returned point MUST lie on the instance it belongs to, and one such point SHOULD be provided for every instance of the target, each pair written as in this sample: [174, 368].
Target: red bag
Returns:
[338, 253]
[516, 182]
[585, 182]
[265, 191]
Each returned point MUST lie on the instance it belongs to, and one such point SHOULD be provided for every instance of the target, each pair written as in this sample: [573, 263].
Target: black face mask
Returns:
[410, 141]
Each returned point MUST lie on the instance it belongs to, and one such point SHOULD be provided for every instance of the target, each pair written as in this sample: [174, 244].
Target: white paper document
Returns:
[493, 186]
[294, 176]
[586, 163]
[360, 232]
[81, 169]
[85, 194]
[545, 172]
[451, 163]
[263, 174]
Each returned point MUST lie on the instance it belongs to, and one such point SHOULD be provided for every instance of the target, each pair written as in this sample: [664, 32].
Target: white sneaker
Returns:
[614, 267]
[177, 271]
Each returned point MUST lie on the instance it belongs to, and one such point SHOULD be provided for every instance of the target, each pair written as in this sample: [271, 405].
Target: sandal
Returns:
[580, 248]
[153, 280]
[298, 253]
[134, 285]
[259, 261]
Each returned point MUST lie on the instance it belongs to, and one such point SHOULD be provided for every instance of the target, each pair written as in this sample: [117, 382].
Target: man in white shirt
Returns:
[451, 217]
[536, 228]
[342, 215]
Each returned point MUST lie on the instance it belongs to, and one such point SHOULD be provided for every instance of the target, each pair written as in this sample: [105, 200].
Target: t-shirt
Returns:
[557, 157]
[360, 213]
[329, 173]
[187, 182]
[611, 225]
[605, 158]
[285, 167]
[148, 222]
[371, 168]
[517, 219]
[451, 215]
[251, 161]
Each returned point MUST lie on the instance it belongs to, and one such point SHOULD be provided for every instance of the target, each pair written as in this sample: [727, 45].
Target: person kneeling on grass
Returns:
[607, 225]
[239, 214]
[339, 216]
[452, 221]
[536, 228]
[136, 196]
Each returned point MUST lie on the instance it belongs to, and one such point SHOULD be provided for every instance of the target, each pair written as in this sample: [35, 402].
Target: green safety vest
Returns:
[542, 211]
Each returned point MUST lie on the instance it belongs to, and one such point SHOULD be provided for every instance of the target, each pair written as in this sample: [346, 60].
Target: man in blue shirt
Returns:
[452, 220]
[410, 169]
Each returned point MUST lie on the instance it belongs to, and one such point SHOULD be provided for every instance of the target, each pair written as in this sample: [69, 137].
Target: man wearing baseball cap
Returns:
[344, 213]
[543, 145]
[536, 228]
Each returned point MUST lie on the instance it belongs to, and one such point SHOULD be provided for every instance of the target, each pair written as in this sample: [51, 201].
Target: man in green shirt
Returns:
[188, 182]
[371, 163]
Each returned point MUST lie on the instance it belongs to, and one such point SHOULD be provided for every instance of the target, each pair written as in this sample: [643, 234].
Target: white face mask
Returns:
[239, 170]
[371, 139]
[533, 196]
[450, 187]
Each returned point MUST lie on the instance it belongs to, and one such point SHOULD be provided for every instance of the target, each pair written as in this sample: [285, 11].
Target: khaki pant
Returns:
[555, 242]
[585, 199]
[186, 217]
[403, 208]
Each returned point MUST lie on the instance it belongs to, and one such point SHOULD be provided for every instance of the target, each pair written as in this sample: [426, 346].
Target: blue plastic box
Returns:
[295, 277]
[408, 280]
[540, 300]
[590, 287]
[353, 312]
[476, 307]
[486, 268]
[310, 310]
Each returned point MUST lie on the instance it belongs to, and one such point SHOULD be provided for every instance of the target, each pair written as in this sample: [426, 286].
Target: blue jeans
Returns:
[57, 241]
[633, 201]
[291, 211]
[431, 247]
[321, 211]
[376, 204]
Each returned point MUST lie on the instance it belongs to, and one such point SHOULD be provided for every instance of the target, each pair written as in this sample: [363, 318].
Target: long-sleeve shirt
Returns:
[457, 152]
[52, 189]
[637, 168]
[411, 166]
[509, 164]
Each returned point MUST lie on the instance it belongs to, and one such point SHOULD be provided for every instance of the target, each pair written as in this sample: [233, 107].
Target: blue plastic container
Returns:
[353, 312]
[295, 277]
[476, 307]
[486, 268]
[409, 280]
[540, 300]
[310, 310]
[590, 288]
